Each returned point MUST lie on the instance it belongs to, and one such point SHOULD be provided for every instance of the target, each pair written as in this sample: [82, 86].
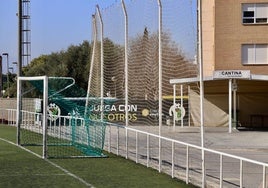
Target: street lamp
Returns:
[1, 76]
[6, 54]
[11, 68]
[16, 64]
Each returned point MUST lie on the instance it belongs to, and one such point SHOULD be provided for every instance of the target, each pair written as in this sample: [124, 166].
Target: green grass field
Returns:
[20, 168]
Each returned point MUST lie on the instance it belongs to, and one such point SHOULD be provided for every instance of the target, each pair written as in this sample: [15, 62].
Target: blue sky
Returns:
[55, 25]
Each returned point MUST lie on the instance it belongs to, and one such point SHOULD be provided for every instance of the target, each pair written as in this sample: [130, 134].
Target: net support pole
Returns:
[160, 77]
[91, 62]
[45, 104]
[201, 82]
[102, 61]
[126, 72]
[126, 62]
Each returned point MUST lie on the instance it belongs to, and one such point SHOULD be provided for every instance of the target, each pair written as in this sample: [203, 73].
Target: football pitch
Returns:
[21, 168]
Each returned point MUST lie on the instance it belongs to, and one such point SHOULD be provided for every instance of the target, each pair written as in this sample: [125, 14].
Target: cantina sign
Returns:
[231, 74]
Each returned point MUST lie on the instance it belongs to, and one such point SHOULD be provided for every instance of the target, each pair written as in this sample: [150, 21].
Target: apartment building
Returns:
[235, 64]
[235, 35]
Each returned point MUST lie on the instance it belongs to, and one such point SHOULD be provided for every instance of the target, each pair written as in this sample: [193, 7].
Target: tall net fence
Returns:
[127, 52]
[67, 130]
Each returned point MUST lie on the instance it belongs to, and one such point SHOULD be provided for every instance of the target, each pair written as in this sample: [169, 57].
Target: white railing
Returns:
[179, 159]
[222, 169]
[8, 116]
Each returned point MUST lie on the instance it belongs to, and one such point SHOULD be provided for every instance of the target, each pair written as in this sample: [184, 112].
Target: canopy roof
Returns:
[256, 77]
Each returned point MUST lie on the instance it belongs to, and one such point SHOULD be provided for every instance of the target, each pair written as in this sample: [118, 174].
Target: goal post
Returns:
[44, 79]
[52, 118]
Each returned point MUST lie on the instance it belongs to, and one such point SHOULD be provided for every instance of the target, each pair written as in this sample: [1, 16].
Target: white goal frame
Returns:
[44, 114]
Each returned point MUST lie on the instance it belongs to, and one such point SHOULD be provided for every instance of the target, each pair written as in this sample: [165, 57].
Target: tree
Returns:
[70, 63]
[76, 59]
[74, 62]
[143, 65]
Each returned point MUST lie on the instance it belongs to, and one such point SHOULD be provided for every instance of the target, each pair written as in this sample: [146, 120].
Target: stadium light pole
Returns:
[6, 54]
[19, 65]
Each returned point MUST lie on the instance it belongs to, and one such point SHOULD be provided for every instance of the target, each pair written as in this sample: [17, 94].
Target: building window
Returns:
[254, 54]
[255, 13]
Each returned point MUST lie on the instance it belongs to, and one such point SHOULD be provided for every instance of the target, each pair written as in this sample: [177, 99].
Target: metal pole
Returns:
[1, 76]
[264, 176]
[19, 73]
[181, 104]
[160, 77]
[230, 105]
[102, 60]
[8, 77]
[174, 103]
[221, 171]
[234, 102]
[201, 82]
[92, 61]
[126, 73]
[189, 107]
[18, 116]
[18, 122]
[6, 54]
[45, 104]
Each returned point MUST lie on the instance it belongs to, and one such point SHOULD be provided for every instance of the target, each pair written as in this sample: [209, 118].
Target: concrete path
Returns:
[249, 144]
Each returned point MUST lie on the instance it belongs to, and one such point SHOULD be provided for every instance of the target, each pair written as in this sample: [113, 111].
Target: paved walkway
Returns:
[251, 144]
[244, 143]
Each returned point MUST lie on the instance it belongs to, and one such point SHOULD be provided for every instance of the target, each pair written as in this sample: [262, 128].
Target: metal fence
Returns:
[183, 160]
[178, 159]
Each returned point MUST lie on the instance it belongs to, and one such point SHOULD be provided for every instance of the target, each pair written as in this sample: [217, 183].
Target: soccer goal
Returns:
[52, 119]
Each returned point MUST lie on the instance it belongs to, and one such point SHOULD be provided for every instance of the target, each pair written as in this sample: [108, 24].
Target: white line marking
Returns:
[50, 162]
[18, 175]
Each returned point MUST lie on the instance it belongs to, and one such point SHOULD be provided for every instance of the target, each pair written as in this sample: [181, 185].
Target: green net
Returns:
[70, 130]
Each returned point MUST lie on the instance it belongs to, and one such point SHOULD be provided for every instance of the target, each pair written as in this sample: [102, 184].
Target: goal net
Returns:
[52, 115]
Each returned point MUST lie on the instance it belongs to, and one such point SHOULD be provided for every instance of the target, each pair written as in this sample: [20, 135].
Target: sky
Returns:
[55, 25]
